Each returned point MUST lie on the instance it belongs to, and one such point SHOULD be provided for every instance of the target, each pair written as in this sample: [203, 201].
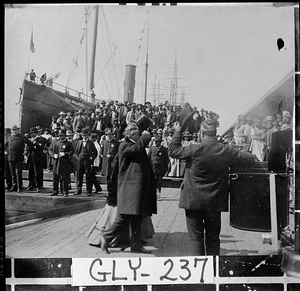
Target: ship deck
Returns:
[65, 235]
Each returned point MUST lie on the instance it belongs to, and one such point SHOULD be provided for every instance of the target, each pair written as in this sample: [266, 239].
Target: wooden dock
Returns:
[65, 236]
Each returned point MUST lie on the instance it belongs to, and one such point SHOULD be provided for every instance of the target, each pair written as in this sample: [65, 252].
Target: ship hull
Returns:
[40, 103]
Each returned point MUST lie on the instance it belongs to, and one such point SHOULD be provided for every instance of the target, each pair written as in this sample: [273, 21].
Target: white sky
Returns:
[227, 55]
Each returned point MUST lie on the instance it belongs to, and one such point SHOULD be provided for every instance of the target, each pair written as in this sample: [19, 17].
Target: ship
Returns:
[41, 100]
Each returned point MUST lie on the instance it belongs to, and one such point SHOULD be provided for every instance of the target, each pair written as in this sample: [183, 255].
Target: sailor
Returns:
[43, 78]
[32, 76]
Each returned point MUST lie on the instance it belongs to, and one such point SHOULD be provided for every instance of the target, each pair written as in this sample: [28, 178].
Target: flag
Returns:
[31, 43]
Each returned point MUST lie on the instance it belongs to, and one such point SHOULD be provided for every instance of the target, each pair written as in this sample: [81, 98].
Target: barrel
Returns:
[249, 199]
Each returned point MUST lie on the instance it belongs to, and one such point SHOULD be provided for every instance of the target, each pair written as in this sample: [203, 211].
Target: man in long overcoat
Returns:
[61, 150]
[204, 192]
[15, 147]
[136, 197]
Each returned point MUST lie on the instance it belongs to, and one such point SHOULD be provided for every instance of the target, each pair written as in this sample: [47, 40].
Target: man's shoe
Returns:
[8, 188]
[77, 193]
[54, 193]
[141, 250]
[88, 194]
[38, 190]
[13, 189]
[104, 244]
[19, 190]
[30, 188]
[65, 195]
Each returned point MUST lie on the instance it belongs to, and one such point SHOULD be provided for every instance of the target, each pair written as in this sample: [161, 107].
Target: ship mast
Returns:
[92, 69]
[146, 65]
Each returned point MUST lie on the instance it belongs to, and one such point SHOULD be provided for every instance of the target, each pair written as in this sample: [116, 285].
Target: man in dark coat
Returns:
[109, 149]
[15, 146]
[61, 150]
[37, 157]
[8, 176]
[159, 160]
[204, 192]
[136, 197]
[85, 153]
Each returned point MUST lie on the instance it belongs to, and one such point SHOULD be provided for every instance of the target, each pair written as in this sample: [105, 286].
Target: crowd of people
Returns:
[134, 146]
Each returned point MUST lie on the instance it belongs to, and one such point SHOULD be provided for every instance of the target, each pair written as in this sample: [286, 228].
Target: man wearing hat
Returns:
[61, 151]
[136, 195]
[70, 135]
[36, 160]
[95, 168]
[159, 160]
[109, 149]
[85, 153]
[15, 146]
[204, 192]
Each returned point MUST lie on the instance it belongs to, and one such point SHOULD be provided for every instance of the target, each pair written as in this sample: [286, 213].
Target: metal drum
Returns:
[249, 202]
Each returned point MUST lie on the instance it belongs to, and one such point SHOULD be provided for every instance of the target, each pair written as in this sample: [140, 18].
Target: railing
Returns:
[64, 89]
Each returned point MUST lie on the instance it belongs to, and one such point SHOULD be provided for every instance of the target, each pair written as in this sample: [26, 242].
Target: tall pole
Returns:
[86, 50]
[92, 72]
[146, 65]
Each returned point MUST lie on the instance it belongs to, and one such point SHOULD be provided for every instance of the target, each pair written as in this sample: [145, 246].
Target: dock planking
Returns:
[66, 236]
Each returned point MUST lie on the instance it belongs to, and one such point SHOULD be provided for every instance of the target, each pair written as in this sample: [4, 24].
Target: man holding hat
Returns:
[15, 146]
[204, 192]
[61, 151]
[136, 196]
[159, 160]
[85, 153]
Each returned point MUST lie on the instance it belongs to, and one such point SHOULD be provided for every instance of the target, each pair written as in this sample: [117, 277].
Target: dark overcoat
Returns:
[62, 165]
[205, 182]
[108, 147]
[136, 181]
[15, 146]
[159, 160]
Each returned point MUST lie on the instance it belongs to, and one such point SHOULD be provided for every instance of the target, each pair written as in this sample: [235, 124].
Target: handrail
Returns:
[66, 90]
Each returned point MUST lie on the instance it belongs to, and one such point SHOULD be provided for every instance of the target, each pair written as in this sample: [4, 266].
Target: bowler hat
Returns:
[144, 122]
[85, 131]
[15, 127]
[33, 130]
[69, 132]
[62, 113]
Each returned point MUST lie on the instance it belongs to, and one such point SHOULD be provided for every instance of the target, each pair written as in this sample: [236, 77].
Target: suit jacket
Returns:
[136, 181]
[159, 160]
[205, 183]
[85, 156]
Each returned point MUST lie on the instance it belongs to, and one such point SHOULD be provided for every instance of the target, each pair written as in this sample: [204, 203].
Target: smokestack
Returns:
[129, 83]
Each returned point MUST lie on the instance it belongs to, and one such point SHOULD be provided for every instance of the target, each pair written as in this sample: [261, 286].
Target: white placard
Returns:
[142, 271]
